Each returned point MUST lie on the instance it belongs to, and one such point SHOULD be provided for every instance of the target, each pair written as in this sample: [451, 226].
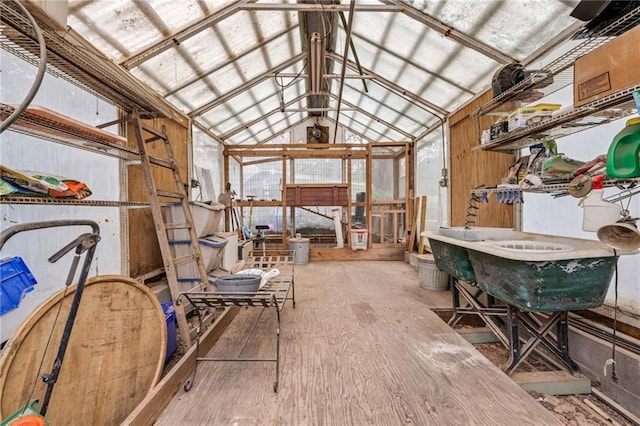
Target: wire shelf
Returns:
[610, 108]
[563, 65]
[69, 202]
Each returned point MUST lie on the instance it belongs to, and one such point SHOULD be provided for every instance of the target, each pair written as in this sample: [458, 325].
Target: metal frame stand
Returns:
[515, 320]
[273, 295]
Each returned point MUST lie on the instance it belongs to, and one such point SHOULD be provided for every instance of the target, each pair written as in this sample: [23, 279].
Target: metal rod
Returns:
[10, 232]
[355, 54]
[389, 85]
[344, 66]
[51, 378]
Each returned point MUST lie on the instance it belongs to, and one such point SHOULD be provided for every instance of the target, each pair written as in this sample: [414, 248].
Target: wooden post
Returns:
[423, 220]
[283, 197]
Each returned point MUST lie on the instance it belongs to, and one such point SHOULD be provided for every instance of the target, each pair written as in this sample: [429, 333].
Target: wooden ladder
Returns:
[170, 262]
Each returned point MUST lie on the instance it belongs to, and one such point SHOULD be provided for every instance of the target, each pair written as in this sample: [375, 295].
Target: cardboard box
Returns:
[608, 69]
[530, 115]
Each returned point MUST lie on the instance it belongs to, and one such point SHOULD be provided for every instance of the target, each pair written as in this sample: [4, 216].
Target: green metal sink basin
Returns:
[533, 272]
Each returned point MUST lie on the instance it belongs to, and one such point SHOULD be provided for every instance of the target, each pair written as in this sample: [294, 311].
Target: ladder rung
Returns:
[152, 139]
[157, 134]
[161, 162]
[184, 259]
[177, 226]
[170, 194]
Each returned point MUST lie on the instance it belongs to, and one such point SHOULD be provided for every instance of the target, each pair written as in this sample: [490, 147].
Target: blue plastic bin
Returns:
[15, 282]
[172, 340]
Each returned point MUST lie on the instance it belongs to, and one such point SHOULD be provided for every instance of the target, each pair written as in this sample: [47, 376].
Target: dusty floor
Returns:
[574, 410]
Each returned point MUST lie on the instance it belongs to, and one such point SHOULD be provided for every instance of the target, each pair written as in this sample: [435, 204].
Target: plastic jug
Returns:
[623, 157]
[596, 211]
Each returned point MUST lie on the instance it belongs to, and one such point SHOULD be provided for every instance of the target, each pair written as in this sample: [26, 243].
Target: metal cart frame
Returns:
[273, 295]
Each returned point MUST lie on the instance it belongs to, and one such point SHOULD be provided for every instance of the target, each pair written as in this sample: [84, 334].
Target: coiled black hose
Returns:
[39, 76]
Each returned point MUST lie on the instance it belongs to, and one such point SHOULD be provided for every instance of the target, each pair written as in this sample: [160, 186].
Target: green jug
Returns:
[623, 158]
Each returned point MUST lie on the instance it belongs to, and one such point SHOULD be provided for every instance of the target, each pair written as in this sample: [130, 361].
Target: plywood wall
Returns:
[144, 252]
[470, 168]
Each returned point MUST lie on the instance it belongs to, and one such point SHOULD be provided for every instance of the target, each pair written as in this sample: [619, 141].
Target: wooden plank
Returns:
[553, 382]
[471, 168]
[423, 219]
[144, 251]
[361, 347]
[152, 405]
[374, 253]
[317, 195]
[478, 335]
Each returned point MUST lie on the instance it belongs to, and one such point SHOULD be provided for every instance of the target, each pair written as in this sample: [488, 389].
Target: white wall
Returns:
[561, 216]
[428, 172]
[99, 172]
[207, 153]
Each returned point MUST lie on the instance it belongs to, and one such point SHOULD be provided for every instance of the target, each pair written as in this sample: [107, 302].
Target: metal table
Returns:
[273, 295]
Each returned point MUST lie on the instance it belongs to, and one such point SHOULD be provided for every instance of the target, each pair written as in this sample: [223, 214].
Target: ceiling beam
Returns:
[203, 74]
[451, 33]
[373, 117]
[245, 126]
[311, 7]
[393, 86]
[426, 132]
[350, 129]
[182, 35]
[275, 135]
[399, 113]
[245, 86]
[327, 76]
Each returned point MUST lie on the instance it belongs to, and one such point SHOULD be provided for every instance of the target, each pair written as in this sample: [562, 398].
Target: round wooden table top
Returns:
[114, 358]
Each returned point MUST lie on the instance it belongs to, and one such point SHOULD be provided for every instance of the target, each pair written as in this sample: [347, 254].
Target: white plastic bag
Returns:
[266, 276]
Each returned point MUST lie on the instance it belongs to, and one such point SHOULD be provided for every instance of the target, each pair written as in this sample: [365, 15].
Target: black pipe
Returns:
[87, 244]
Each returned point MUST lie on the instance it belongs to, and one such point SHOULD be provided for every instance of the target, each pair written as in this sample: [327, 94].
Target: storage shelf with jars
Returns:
[615, 106]
[604, 90]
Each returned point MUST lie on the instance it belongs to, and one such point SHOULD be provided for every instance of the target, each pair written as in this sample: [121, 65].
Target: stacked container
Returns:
[207, 220]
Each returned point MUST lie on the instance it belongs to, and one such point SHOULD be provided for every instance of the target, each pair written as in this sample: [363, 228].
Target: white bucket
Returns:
[596, 216]
[300, 249]
[429, 276]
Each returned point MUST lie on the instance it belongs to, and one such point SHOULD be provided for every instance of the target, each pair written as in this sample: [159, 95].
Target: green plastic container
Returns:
[29, 410]
[623, 158]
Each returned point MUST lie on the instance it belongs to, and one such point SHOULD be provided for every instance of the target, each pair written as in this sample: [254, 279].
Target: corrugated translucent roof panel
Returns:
[386, 105]
[516, 27]
[260, 100]
[123, 28]
[217, 57]
[421, 61]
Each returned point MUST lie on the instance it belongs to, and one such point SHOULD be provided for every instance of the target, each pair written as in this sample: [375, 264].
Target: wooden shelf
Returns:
[46, 124]
[605, 110]
[258, 203]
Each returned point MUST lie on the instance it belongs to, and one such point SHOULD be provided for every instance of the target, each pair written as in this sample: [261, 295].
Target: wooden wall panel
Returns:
[144, 252]
[471, 168]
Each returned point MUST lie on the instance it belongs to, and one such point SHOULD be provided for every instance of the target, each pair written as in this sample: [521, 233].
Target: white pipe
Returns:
[338, 225]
